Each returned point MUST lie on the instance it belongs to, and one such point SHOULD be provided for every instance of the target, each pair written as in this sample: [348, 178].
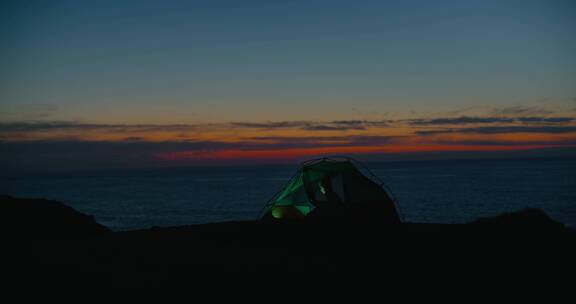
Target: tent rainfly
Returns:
[333, 183]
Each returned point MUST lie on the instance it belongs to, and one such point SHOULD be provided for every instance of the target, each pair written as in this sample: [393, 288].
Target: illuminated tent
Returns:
[332, 186]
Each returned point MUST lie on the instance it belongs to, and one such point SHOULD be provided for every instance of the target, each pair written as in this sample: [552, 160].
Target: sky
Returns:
[94, 84]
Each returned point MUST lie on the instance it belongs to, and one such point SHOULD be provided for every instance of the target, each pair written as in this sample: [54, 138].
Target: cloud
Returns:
[270, 125]
[546, 119]
[68, 129]
[460, 120]
[46, 126]
[348, 122]
[332, 128]
[463, 120]
[153, 128]
[378, 123]
[316, 141]
[560, 142]
[503, 130]
[521, 110]
[360, 123]
[43, 126]
[337, 125]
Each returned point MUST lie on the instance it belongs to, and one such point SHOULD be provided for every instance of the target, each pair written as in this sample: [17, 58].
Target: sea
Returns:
[436, 191]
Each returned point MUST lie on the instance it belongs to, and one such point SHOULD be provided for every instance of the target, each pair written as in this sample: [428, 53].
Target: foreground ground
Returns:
[46, 244]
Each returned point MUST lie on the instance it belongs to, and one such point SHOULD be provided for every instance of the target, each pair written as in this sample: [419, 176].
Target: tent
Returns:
[332, 187]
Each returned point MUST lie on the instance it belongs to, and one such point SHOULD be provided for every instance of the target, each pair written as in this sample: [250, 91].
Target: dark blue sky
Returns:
[184, 61]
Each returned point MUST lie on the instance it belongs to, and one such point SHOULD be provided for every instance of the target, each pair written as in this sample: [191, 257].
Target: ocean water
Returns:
[427, 191]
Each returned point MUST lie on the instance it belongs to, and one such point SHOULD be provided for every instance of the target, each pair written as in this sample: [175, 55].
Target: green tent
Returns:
[328, 184]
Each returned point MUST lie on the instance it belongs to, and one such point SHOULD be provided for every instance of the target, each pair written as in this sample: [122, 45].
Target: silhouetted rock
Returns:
[531, 217]
[41, 218]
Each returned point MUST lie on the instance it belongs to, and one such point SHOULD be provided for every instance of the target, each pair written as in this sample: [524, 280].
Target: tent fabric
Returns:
[330, 183]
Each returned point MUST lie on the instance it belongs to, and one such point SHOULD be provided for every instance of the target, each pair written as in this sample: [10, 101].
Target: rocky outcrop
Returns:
[41, 218]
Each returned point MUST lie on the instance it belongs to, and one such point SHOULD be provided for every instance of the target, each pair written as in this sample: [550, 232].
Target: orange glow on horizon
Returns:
[287, 154]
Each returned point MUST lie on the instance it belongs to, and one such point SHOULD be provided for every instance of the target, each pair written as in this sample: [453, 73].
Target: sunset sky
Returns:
[95, 84]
